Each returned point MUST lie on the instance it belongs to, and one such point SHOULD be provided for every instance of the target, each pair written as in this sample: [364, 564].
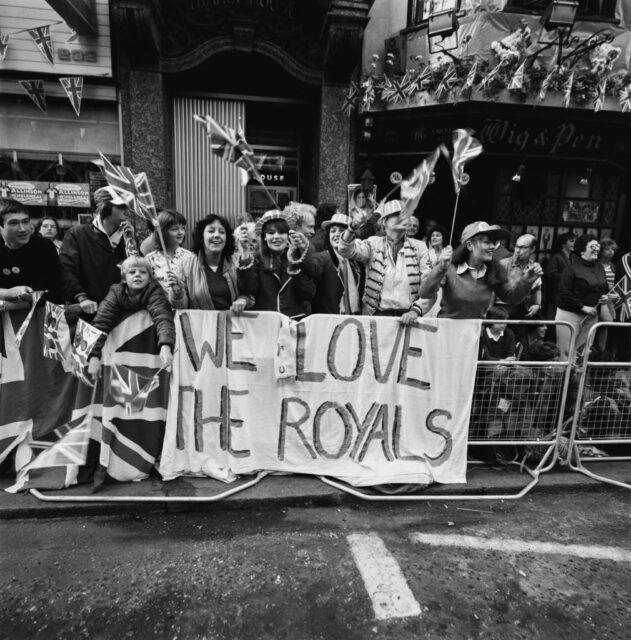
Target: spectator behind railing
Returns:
[469, 276]
[90, 253]
[172, 225]
[27, 262]
[48, 228]
[324, 213]
[583, 287]
[437, 241]
[274, 277]
[607, 311]
[207, 278]
[555, 266]
[395, 265]
[497, 341]
[515, 265]
[138, 291]
[339, 281]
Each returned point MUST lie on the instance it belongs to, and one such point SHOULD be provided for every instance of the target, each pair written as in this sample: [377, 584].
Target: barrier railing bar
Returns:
[192, 499]
[574, 459]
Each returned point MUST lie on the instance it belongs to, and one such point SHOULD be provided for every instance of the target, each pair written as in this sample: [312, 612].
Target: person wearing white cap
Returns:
[395, 264]
[90, 253]
[469, 276]
[339, 281]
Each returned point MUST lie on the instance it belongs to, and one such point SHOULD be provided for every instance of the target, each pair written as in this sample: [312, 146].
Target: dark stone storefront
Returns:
[288, 60]
[575, 165]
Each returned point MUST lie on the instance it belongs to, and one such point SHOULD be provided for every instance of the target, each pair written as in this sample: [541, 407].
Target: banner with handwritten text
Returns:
[363, 399]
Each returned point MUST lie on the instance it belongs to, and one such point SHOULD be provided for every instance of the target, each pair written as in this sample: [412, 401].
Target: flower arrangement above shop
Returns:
[583, 72]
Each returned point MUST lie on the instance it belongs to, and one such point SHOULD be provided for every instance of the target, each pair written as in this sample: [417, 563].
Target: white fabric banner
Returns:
[363, 399]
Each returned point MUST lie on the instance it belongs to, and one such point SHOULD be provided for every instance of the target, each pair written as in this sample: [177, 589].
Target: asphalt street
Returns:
[546, 567]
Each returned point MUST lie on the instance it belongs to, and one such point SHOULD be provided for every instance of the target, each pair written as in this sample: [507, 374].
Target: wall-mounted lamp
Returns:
[560, 14]
[442, 27]
[60, 169]
[585, 179]
[519, 173]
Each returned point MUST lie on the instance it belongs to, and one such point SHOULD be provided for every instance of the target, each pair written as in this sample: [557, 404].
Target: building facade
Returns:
[551, 113]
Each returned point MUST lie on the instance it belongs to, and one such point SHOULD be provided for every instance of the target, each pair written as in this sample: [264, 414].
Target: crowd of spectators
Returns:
[303, 260]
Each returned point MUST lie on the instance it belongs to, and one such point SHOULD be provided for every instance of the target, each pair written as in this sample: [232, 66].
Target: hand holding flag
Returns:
[466, 148]
[231, 146]
[413, 187]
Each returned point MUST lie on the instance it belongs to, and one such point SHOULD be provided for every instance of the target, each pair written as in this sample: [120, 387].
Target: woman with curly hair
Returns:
[207, 278]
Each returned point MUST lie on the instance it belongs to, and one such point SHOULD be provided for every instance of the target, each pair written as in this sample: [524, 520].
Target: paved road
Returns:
[546, 567]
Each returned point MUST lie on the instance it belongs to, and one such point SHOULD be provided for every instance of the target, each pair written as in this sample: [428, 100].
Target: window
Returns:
[420, 10]
[604, 9]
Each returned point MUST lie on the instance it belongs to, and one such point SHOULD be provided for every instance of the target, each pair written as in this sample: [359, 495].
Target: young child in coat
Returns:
[136, 292]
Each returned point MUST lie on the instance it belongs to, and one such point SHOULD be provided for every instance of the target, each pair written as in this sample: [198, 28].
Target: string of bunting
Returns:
[72, 86]
[585, 84]
[40, 36]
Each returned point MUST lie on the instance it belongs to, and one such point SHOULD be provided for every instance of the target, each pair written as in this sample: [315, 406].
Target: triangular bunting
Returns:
[599, 103]
[74, 90]
[517, 81]
[35, 90]
[41, 37]
[4, 45]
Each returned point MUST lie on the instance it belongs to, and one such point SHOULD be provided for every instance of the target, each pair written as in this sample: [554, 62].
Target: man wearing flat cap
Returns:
[91, 253]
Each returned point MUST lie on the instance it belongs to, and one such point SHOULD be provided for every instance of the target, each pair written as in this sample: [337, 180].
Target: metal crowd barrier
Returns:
[517, 413]
[602, 414]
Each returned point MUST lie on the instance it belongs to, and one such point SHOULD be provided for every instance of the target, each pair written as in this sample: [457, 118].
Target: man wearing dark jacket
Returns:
[28, 263]
[91, 253]
[340, 282]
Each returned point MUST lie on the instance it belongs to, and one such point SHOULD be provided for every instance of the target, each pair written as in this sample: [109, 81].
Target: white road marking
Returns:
[508, 545]
[389, 592]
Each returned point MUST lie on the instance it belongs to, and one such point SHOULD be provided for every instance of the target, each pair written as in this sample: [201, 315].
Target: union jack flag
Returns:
[448, 82]
[133, 187]
[394, 91]
[35, 298]
[424, 78]
[623, 289]
[545, 85]
[470, 79]
[41, 37]
[66, 446]
[131, 390]
[517, 81]
[35, 90]
[57, 343]
[231, 146]
[351, 100]
[368, 97]
[85, 338]
[599, 103]
[4, 45]
[413, 187]
[466, 148]
[74, 90]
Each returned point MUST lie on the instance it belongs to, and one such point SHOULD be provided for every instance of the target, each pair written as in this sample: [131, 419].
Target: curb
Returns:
[276, 492]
